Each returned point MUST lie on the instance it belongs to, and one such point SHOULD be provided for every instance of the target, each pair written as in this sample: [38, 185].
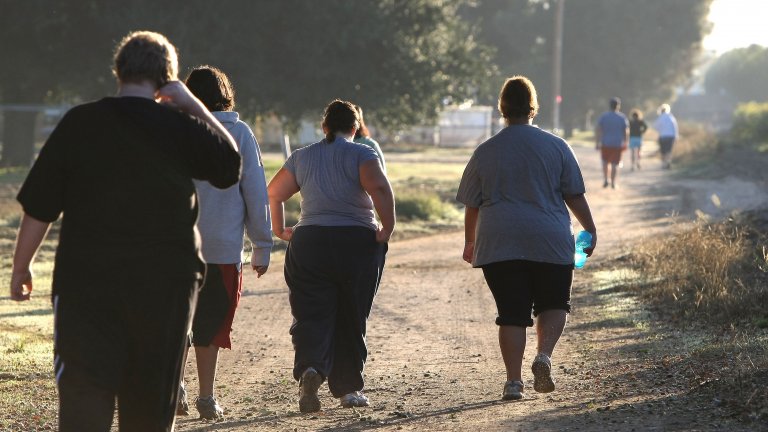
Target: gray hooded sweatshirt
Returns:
[226, 214]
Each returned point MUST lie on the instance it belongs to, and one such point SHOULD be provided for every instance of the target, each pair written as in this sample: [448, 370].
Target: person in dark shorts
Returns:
[517, 189]
[335, 257]
[225, 215]
[637, 128]
[611, 139]
[127, 268]
[666, 126]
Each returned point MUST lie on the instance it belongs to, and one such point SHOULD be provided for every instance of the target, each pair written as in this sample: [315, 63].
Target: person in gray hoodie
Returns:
[224, 216]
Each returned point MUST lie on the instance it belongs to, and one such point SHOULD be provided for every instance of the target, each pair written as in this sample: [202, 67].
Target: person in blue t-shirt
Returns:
[611, 138]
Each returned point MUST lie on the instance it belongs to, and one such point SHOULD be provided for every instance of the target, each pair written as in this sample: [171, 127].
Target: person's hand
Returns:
[21, 285]
[469, 251]
[383, 235]
[259, 269]
[177, 95]
[591, 247]
[286, 234]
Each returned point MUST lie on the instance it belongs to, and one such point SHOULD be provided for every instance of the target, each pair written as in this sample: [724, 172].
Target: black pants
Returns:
[122, 340]
[333, 274]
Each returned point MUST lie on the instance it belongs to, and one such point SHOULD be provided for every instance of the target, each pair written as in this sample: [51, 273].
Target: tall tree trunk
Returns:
[18, 144]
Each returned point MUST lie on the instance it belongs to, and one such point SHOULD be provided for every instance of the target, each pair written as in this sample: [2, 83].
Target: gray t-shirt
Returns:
[328, 175]
[518, 179]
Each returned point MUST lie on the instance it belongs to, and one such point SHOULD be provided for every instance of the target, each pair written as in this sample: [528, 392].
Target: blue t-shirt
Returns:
[328, 175]
[613, 125]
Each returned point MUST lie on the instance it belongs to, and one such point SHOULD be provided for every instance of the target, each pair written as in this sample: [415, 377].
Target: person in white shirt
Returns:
[666, 125]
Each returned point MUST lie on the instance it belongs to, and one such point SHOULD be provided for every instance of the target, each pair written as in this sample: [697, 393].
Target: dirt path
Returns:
[435, 363]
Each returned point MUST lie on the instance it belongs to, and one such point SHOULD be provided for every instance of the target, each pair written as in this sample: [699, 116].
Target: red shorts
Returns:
[216, 305]
[611, 155]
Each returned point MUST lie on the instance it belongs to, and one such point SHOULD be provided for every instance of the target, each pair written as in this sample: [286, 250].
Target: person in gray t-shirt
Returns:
[517, 189]
[335, 257]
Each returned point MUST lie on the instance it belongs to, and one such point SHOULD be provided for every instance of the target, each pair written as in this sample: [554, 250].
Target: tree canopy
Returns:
[740, 73]
[638, 51]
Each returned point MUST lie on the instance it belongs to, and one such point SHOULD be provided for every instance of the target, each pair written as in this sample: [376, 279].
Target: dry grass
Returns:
[712, 281]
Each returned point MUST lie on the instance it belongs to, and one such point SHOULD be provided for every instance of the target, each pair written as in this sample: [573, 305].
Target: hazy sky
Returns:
[737, 23]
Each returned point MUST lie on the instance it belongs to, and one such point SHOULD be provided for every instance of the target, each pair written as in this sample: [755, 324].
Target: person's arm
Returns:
[375, 183]
[470, 223]
[30, 236]
[625, 144]
[282, 186]
[580, 208]
[175, 93]
[598, 136]
[253, 187]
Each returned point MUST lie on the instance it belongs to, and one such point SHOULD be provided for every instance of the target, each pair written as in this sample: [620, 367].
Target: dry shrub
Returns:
[714, 271]
[696, 140]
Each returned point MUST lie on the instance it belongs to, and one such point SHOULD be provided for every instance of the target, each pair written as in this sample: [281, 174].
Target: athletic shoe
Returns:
[209, 408]
[354, 399]
[542, 374]
[605, 184]
[513, 390]
[308, 386]
[182, 408]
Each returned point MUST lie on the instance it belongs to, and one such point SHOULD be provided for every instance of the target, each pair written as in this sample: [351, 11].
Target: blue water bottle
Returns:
[583, 241]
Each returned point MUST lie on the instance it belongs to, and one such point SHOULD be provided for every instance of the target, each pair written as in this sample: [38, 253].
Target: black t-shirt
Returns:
[637, 127]
[120, 170]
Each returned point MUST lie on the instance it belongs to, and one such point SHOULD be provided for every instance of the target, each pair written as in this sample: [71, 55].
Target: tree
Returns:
[397, 59]
[740, 73]
[638, 51]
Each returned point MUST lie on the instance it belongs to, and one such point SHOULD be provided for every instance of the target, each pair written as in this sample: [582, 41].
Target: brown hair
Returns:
[636, 112]
[146, 56]
[362, 131]
[518, 98]
[212, 87]
[339, 116]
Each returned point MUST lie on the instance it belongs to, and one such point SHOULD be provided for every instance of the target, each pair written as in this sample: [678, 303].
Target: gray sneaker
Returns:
[209, 408]
[542, 374]
[354, 399]
[513, 390]
[308, 385]
[182, 407]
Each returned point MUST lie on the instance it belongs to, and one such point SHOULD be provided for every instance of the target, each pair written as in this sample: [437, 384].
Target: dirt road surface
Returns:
[434, 361]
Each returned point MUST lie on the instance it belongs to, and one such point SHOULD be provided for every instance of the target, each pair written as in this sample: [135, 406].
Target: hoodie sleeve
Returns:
[253, 187]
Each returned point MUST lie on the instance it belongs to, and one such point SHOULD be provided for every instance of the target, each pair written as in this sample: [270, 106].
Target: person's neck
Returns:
[144, 89]
[519, 121]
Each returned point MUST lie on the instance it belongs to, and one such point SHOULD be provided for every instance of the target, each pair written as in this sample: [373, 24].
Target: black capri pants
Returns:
[333, 274]
[521, 286]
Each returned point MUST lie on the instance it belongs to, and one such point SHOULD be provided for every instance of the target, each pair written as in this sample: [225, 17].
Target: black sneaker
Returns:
[308, 385]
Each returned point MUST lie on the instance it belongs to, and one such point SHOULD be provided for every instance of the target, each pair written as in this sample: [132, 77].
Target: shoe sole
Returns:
[308, 400]
[507, 397]
[355, 404]
[542, 377]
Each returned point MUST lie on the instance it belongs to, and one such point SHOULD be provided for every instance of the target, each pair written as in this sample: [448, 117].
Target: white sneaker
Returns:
[513, 390]
[354, 399]
[542, 374]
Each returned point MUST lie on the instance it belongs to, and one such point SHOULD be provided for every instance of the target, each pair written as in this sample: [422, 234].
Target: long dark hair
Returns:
[339, 116]
[212, 87]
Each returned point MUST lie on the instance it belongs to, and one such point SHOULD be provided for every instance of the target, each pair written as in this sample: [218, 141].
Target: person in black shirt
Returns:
[637, 128]
[127, 268]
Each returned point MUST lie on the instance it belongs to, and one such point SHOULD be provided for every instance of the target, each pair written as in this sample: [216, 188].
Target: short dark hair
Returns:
[518, 98]
[212, 87]
[339, 116]
[146, 56]
[614, 103]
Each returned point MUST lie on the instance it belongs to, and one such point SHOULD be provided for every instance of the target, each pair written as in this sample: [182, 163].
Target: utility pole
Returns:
[557, 65]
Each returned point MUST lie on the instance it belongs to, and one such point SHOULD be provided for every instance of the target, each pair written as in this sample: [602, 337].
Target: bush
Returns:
[750, 124]
[715, 272]
[423, 205]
